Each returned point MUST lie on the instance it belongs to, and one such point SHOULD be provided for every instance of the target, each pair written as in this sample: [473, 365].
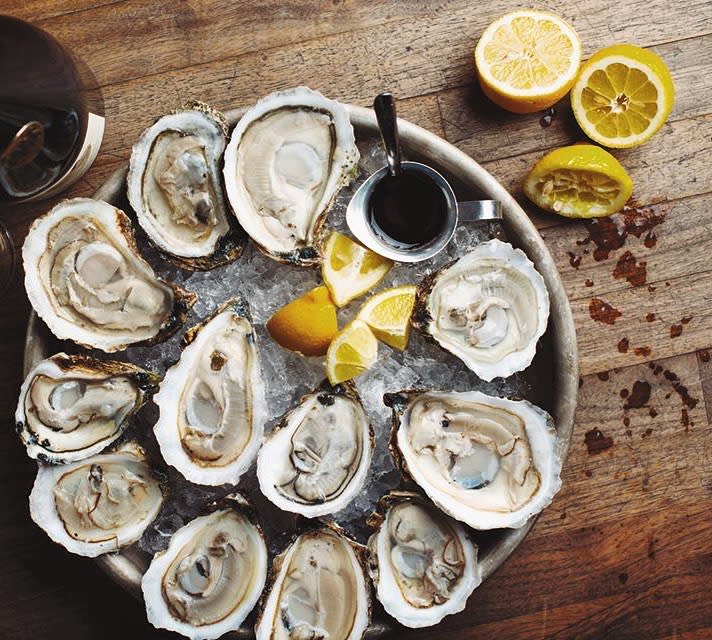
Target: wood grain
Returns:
[625, 550]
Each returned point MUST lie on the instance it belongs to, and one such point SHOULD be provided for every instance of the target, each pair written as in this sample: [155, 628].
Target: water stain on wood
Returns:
[596, 441]
[639, 395]
[643, 351]
[688, 402]
[609, 234]
[602, 311]
[629, 268]
[623, 345]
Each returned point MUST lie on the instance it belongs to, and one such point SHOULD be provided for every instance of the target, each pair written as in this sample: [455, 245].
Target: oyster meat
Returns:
[316, 460]
[86, 280]
[422, 563]
[489, 308]
[212, 401]
[287, 158]
[174, 186]
[210, 577]
[487, 461]
[318, 591]
[72, 407]
[97, 505]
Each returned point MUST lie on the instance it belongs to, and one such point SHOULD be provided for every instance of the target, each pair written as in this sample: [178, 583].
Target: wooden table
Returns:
[625, 551]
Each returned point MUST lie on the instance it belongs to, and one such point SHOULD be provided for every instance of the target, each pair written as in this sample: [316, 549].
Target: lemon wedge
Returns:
[388, 314]
[349, 269]
[580, 181]
[527, 60]
[307, 324]
[623, 95]
[352, 351]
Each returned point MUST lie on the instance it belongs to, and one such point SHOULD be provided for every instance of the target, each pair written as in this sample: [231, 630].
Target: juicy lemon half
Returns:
[622, 96]
[352, 351]
[349, 269]
[527, 60]
[580, 181]
[388, 314]
[307, 324]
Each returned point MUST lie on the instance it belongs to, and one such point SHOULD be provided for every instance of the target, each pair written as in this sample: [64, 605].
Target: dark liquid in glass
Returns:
[408, 210]
[40, 83]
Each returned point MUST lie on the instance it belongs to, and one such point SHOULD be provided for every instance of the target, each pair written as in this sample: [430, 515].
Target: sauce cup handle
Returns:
[476, 210]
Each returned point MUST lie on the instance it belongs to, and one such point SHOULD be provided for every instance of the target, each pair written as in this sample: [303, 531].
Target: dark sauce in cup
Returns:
[407, 211]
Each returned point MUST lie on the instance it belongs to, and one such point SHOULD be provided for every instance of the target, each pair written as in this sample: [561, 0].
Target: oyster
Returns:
[489, 308]
[288, 157]
[98, 505]
[422, 563]
[174, 186]
[489, 462]
[212, 401]
[210, 577]
[72, 407]
[318, 591]
[316, 460]
[86, 280]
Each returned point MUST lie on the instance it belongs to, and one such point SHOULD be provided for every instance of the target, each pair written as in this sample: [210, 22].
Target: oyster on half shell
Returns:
[489, 308]
[422, 563]
[318, 590]
[287, 158]
[210, 577]
[489, 462]
[97, 505]
[315, 461]
[86, 280]
[212, 401]
[72, 407]
[174, 185]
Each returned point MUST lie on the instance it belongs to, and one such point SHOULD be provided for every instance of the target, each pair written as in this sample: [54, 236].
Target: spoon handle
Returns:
[385, 107]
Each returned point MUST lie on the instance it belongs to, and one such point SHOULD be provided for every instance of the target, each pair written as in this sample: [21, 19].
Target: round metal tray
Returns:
[127, 567]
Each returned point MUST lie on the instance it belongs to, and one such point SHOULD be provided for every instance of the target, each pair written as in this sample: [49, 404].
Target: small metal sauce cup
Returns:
[358, 215]
[359, 222]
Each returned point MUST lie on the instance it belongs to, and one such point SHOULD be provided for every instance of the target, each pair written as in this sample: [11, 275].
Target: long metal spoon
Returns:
[385, 107]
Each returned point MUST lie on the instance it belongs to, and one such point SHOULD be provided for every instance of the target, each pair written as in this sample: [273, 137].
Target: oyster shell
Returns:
[212, 401]
[489, 308]
[421, 562]
[72, 407]
[287, 158]
[97, 505]
[486, 461]
[318, 591]
[86, 280]
[210, 577]
[315, 461]
[174, 185]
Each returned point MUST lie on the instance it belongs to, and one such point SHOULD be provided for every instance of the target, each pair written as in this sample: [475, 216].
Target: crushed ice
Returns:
[268, 285]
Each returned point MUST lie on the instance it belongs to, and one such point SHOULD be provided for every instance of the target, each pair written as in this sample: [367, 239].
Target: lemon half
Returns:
[580, 181]
[623, 95]
[527, 60]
